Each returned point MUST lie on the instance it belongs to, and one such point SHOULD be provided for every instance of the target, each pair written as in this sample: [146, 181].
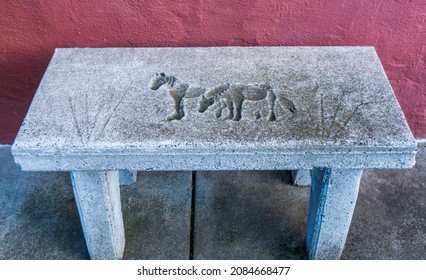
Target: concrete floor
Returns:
[211, 215]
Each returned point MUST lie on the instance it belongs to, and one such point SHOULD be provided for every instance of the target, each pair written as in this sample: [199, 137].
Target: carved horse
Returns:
[225, 95]
[177, 90]
[236, 94]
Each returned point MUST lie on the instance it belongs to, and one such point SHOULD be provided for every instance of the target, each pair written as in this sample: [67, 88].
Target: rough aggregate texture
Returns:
[110, 109]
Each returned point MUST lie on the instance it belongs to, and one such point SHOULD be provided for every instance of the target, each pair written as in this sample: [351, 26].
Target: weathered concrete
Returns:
[97, 195]
[331, 205]
[333, 107]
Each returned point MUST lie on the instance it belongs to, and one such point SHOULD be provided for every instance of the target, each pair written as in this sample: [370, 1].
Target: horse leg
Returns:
[222, 105]
[271, 103]
[230, 106]
[238, 99]
[181, 112]
[178, 106]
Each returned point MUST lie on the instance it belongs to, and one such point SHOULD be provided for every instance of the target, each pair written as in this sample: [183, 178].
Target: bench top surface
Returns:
[106, 101]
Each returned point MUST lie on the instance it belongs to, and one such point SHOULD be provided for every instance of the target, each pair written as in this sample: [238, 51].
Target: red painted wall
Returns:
[31, 29]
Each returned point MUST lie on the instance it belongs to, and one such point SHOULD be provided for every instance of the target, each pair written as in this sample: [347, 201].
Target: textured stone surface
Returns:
[97, 109]
[97, 194]
[331, 205]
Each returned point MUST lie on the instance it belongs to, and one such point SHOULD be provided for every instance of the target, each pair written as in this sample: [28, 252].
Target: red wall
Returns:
[31, 29]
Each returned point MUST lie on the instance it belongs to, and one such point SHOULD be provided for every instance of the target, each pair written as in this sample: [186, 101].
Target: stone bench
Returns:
[330, 110]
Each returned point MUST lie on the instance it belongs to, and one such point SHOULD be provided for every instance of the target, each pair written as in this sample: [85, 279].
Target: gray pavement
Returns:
[211, 215]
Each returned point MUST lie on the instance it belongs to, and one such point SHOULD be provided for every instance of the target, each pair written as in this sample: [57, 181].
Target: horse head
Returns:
[205, 103]
[161, 79]
[158, 80]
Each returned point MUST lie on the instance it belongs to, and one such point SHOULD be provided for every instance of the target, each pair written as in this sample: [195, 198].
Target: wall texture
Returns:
[31, 29]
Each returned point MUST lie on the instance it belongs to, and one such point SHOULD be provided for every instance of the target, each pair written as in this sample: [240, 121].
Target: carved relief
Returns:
[223, 96]
[90, 116]
[177, 90]
[234, 95]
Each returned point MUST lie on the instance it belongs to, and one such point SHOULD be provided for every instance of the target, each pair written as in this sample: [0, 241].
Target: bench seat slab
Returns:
[227, 108]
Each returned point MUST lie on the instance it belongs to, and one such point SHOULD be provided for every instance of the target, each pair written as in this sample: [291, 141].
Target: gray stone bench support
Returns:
[331, 205]
[97, 195]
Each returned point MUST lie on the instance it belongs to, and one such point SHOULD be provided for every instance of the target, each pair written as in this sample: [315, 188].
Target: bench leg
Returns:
[332, 202]
[127, 177]
[97, 194]
[301, 177]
